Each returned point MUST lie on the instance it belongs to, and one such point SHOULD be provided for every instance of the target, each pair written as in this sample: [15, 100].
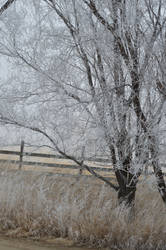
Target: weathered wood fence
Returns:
[23, 154]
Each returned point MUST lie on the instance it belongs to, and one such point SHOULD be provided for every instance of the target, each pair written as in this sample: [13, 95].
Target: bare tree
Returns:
[99, 65]
[127, 45]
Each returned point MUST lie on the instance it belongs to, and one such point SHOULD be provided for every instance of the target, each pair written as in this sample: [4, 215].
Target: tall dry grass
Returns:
[34, 204]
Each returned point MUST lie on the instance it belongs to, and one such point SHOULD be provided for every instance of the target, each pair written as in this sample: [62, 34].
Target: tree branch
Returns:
[101, 19]
[6, 6]
[79, 163]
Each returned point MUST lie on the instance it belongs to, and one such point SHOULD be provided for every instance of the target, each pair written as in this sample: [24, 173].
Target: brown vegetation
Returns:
[35, 204]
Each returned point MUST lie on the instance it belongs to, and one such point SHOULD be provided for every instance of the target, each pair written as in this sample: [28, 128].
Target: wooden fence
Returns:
[22, 154]
[20, 162]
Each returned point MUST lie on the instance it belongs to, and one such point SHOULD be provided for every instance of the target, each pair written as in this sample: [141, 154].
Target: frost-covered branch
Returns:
[6, 6]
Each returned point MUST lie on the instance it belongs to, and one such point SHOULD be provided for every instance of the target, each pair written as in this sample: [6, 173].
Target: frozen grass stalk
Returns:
[34, 204]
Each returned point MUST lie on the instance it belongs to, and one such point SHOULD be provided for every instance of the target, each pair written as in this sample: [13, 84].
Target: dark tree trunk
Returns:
[157, 170]
[127, 188]
[127, 191]
[160, 181]
[127, 184]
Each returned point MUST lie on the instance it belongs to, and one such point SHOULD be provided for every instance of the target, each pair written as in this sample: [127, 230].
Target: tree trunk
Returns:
[126, 193]
[157, 169]
[127, 184]
[127, 188]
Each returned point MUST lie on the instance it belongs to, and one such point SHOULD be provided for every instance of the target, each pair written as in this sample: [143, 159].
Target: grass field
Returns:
[36, 204]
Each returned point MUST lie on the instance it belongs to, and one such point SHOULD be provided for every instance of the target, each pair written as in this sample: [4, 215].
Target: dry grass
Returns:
[34, 204]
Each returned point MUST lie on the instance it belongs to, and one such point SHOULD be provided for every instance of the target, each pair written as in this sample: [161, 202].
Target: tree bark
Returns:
[127, 184]
[126, 195]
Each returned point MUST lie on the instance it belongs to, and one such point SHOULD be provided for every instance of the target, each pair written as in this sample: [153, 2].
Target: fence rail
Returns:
[23, 154]
[43, 155]
[55, 165]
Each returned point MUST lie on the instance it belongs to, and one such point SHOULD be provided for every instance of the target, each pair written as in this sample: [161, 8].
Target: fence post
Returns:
[82, 160]
[21, 154]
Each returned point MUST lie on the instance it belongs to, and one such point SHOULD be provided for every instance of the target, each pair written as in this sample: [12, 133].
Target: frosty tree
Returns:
[93, 66]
